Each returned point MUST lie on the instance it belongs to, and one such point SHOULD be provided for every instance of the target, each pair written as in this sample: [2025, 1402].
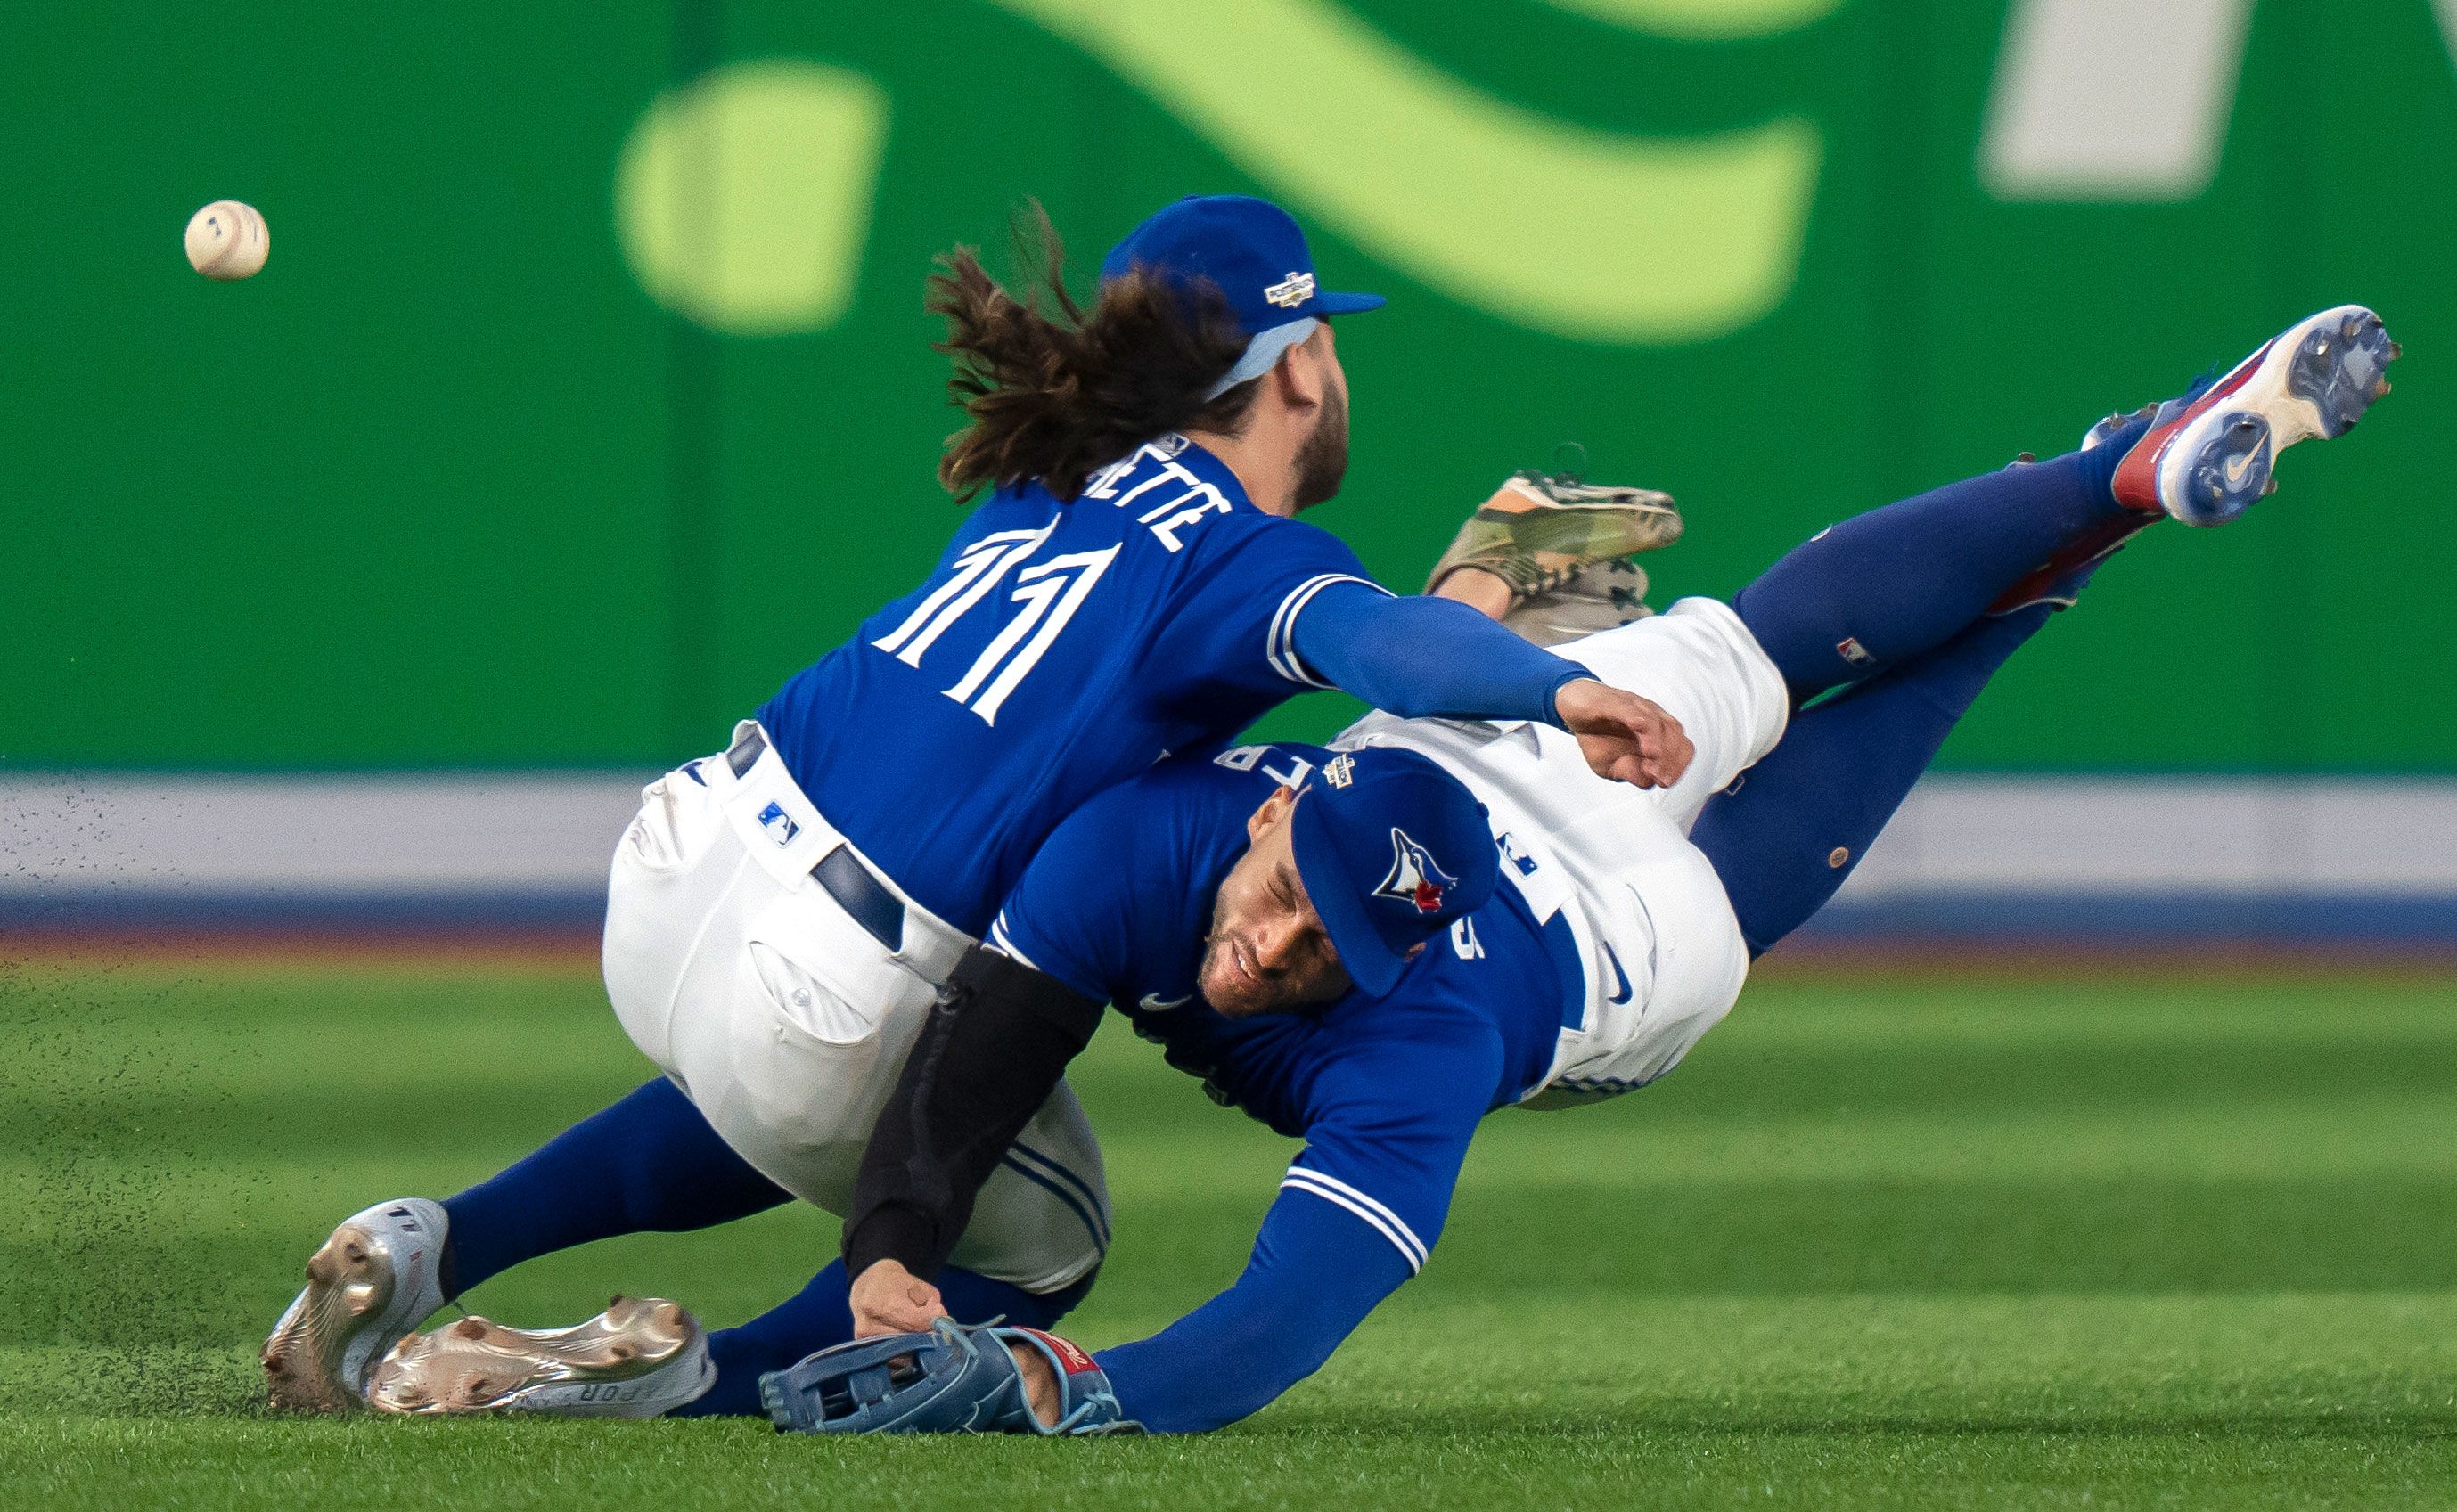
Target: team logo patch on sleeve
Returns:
[1414, 879]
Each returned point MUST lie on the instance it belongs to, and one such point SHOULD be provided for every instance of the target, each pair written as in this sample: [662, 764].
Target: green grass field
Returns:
[1915, 1242]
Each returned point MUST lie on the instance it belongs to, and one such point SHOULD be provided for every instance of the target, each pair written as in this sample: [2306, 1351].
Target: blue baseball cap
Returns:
[1257, 256]
[1392, 851]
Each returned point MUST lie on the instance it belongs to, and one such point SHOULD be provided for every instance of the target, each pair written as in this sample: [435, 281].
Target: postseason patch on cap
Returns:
[1414, 879]
[1292, 291]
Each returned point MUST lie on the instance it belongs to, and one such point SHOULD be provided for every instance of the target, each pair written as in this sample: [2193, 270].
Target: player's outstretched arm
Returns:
[1438, 658]
[991, 1053]
[1316, 1271]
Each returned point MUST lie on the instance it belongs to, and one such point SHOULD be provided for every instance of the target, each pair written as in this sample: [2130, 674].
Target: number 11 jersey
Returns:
[1057, 648]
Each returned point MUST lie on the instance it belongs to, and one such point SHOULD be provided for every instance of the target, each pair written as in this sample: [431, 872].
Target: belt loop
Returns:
[861, 896]
[744, 753]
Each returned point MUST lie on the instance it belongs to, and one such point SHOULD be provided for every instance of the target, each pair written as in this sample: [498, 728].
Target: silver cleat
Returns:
[639, 1357]
[1538, 530]
[368, 1284]
[1600, 596]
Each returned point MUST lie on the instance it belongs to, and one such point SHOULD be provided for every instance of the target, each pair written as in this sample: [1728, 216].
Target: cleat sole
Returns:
[2313, 383]
[639, 1357]
[303, 1359]
[2341, 371]
[368, 1284]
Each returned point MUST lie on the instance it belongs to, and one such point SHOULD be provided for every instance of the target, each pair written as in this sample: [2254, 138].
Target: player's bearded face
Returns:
[1267, 951]
[1322, 457]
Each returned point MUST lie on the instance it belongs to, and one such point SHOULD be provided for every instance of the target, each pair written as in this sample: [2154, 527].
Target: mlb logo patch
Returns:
[1292, 291]
[1851, 650]
[778, 824]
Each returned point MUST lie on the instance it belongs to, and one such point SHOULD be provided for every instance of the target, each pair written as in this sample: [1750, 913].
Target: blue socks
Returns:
[651, 1163]
[821, 1314]
[1891, 606]
[1881, 588]
[1786, 834]
[648, 1163]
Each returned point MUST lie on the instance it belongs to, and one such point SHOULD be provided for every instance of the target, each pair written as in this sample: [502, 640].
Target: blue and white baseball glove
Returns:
[952, 1379]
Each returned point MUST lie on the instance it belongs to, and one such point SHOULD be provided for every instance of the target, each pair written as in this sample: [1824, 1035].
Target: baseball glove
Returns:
[956, 1378]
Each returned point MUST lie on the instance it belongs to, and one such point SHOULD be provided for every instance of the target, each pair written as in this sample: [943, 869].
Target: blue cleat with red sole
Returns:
[2210, 459]
[2205, 456]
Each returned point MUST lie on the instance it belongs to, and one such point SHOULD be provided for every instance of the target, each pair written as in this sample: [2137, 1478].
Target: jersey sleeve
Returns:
[1388, 1125]
[1070, 915]
[1237, 630]
[1354, 1218]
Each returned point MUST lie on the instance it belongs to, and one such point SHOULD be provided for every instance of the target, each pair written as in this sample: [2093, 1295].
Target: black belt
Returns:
[863, 897]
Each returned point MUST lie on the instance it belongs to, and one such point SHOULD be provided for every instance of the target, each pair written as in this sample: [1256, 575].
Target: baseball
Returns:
[228, 240]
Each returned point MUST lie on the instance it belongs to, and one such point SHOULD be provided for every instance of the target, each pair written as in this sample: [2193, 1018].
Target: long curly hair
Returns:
[1053, 392]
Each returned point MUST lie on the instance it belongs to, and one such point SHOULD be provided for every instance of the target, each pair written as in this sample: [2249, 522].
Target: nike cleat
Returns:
[2205, 460]
[1538, 529]
[639, 1358]
[369, 1284]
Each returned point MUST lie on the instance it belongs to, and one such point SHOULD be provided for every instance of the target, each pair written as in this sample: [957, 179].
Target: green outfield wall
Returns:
[588, 393]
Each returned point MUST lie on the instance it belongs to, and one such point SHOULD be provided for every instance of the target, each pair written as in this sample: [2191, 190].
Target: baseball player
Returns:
[1373, 946]
[1645, 910]
[781, 913]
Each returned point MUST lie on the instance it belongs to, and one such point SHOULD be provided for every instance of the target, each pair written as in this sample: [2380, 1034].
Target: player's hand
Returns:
[887, 1299]
[1624, 737]
[1040, 1383]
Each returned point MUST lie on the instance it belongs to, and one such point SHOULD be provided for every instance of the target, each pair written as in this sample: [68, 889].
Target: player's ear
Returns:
[1301, 375]
[1274, 813]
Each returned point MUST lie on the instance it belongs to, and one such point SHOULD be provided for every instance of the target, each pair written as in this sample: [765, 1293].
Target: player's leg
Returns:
[789, 1024]
[1042, 1224]
[1882, 588]
[1789, 832]
[649, 1164]
[1879, 589]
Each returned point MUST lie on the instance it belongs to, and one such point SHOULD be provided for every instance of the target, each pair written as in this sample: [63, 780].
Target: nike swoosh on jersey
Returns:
[1153, 1004]
[1622, 994]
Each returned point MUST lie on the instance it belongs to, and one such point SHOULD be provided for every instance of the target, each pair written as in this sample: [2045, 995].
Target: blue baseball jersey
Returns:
[1057, 648]
[1386, 1092]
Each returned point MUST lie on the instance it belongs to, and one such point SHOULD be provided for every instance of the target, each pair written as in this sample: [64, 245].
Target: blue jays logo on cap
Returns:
[1414, 878]
[1366, 839]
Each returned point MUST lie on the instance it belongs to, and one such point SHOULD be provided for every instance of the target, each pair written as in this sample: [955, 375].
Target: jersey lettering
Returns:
[975, 573]
[1464, 940]
[1179, 511]
[1104, 484]
[1246, 758]
[1182, 511]
[1064, 581]
[1050, 592]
